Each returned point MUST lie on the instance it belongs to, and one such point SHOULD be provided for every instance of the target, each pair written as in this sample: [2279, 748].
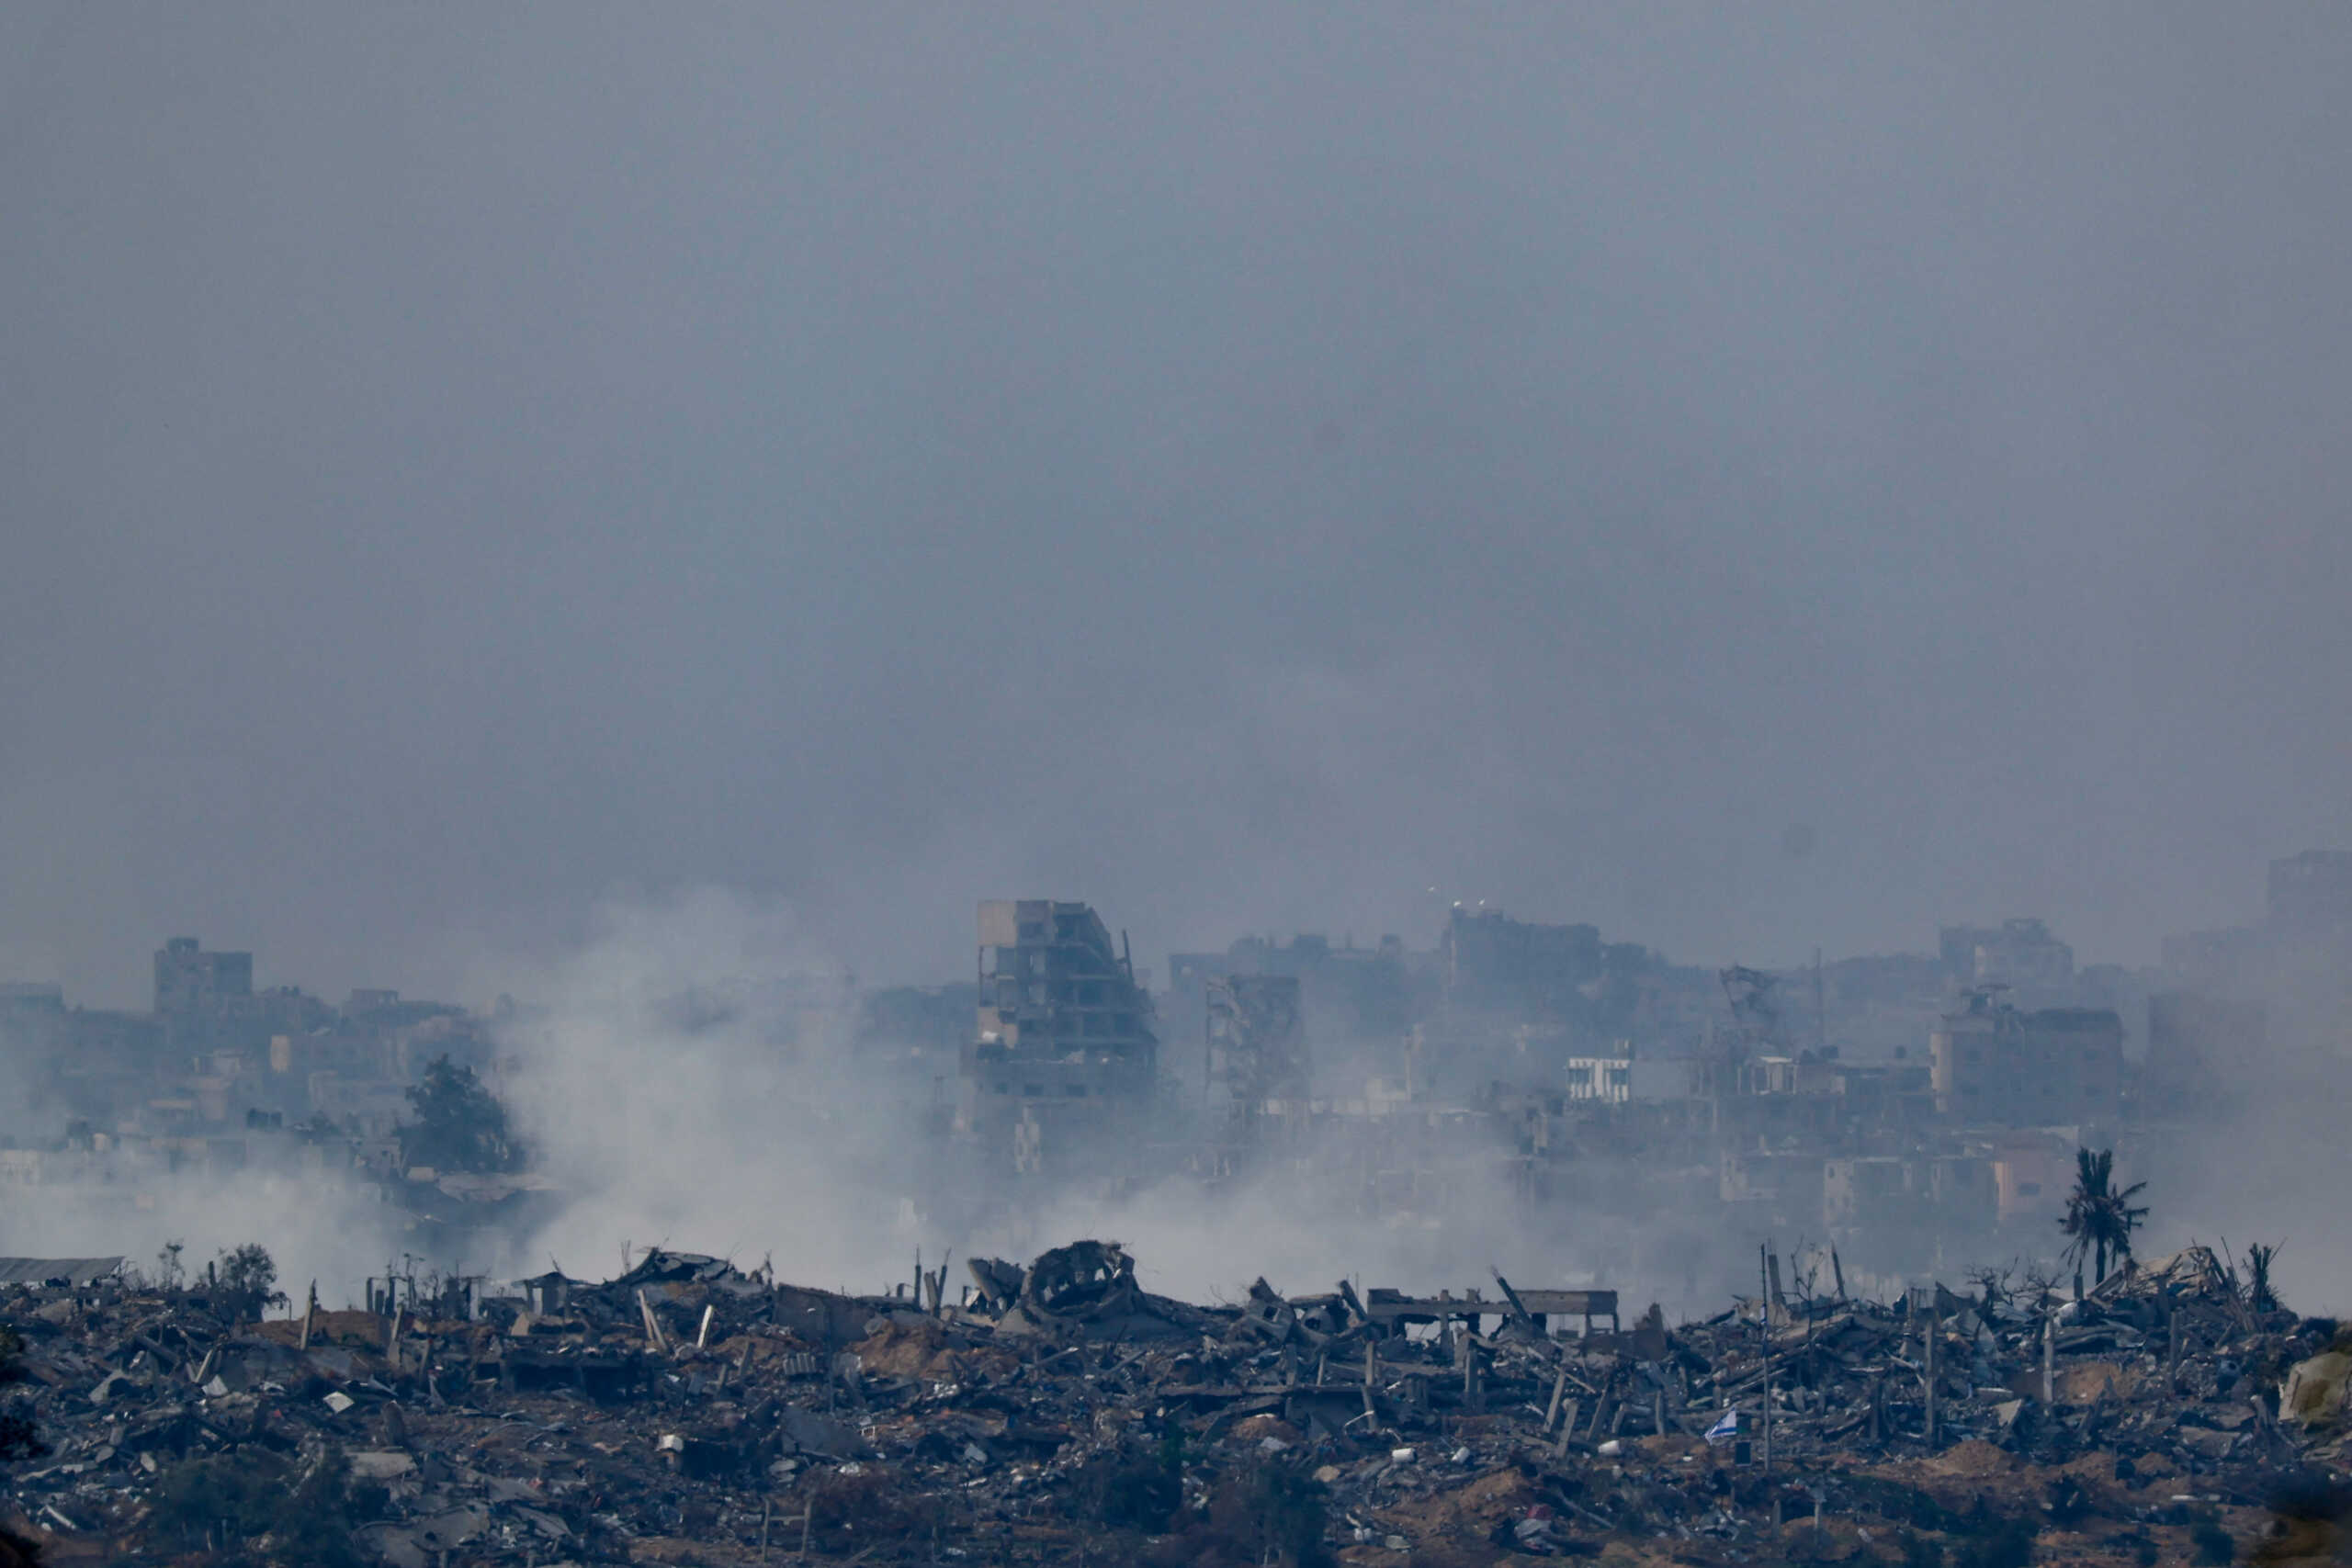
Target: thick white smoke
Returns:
[694, 1078]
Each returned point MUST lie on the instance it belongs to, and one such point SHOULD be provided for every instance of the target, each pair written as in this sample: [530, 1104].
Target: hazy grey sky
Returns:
[1242, 464]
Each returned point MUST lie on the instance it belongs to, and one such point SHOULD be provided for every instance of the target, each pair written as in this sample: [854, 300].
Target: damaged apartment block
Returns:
[1063, 1053]
[1258, 1062]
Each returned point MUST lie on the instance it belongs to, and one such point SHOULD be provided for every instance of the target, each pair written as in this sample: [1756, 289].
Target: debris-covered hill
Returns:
[689, 1412]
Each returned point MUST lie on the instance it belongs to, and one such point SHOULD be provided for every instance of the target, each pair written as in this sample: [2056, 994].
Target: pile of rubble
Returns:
[691, 1412]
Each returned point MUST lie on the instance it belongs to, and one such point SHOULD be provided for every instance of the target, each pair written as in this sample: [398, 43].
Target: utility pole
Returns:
[1935, 1332]
[1820, 1007]
[1764, 1317]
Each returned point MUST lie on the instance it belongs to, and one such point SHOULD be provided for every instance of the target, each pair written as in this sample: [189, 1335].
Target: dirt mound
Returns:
[1258, 1428]
[1973, 1456]
[354, 1330]
[910, 1350]
[2083, 1384]
[760, 1350]
[1466, 1515]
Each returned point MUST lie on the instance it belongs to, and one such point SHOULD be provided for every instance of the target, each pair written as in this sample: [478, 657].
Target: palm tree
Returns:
[2100, 1220]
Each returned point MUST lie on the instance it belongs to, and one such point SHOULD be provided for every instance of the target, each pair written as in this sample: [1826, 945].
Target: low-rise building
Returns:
[1994, 1066]
[1885, 1195]
[1628, 1076]
[1867, 1192]
[2031, 1176]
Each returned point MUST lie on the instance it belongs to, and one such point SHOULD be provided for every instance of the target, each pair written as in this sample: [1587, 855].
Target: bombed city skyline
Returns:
[1253, 669]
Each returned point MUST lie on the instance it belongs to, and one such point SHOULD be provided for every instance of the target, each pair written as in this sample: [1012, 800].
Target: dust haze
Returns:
[636, 521]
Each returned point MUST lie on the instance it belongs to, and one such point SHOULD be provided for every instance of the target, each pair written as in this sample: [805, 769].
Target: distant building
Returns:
[2297, 961]
[2311, 889]
[32, 1015]
[1183, 1010]
[1784, 1186]
[2032, 1173]
[1492, 961]
[1257, 1044]
[1607, 1078]
[1872, 1005]
[191, 982]
[1994, 1066]
[2197, 1045]
[1872, 1192]
[371, 1105]
[124, 1040]
[1063, 1047]
[1496, 973]
[2020, 953]
[1894, 1094]
[1885, 978]
[1964, 1191]
[1884, 1194]
[1623, 1079]
[2216, 959]
[1346, 993]
[924, 1025]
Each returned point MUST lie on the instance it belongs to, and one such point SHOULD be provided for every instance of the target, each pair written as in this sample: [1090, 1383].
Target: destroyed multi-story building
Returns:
[1063, 1049]
[1997, 1065]
[1901, 1205]
[1492, 962]
[1258, 1062]
[1517, 998]
[1349, 994]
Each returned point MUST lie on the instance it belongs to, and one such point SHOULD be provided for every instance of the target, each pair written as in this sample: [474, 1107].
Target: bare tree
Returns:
[2259, 1293]
[1992, 1282]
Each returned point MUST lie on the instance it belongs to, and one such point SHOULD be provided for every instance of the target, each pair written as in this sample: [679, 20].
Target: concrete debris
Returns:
[690, 1411]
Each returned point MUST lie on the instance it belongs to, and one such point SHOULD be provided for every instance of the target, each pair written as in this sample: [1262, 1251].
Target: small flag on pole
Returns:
[1726, 1429]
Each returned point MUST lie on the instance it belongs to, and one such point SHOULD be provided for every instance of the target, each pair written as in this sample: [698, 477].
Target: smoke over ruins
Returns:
[1359, 649]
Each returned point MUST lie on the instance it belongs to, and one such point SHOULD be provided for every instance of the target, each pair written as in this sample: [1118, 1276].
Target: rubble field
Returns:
[689, 1412]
